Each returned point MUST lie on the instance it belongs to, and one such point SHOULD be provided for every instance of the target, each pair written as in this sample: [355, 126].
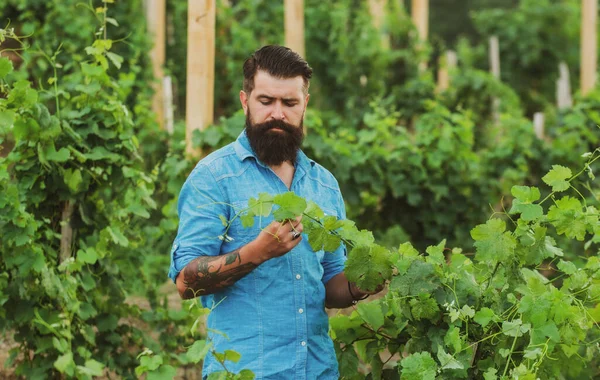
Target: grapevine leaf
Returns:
[6, 67]
[247, 220]
[88, 256]
[224, 220]
[447, 361]
[420, 278]
[320, 239]
[314, 211]
[73, 179]
[50, 153]
[261, 206]
[436, 253]
[368, 266]
[7, 119]
[525, 194]
[419, 366]
[567, 217]
[484, 316]
[515, 328]
[372, 313]
[490, 374]
[164, 372]
[290, 206]
[91, 368]
[65, 364]
[529, 212]
[567, 267]
[198, 351]
[492, 243]
[557, 178]
[424, 308]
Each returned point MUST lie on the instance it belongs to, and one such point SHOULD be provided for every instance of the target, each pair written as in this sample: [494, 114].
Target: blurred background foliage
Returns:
[413, 163]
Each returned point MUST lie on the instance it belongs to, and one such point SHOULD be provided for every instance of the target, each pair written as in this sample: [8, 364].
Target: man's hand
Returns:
[277, 239]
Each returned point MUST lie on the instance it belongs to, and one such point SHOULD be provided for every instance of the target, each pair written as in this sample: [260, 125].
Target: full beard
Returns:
[273, 147]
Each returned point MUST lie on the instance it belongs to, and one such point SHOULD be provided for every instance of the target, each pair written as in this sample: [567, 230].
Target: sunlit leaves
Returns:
[493, 242]
[557, 178]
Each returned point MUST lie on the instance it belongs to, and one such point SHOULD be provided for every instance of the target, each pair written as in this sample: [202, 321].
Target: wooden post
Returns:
[377, 10]
[447, 64]
[66, 231]
[155, 16]
[495, 70]
[589, 48]
[294, 26]
[168, 105]
[420, 17]
[495, 56]
[538, 124]
[200, 69]
[563, 88]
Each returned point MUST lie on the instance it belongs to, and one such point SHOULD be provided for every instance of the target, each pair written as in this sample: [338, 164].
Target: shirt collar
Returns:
[243, 151]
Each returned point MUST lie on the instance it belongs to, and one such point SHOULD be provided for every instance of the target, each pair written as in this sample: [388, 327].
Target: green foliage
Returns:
[458, 317]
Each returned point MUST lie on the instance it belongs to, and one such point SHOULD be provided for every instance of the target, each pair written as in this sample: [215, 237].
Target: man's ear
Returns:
[244, 100]
[306, 101]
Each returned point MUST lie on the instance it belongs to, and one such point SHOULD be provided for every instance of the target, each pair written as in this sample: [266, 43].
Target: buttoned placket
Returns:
[298, 282]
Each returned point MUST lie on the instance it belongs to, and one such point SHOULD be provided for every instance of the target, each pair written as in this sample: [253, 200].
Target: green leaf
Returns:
[50, 153]
[224, 220]
[436, 253]
[567, 267]
[261, 206]
[65, 364]
[447, 361]
[568, 218]
[91, 368]
[73, 179]
[313, 210]
[247, 220]
[7, 119]
[6, 67]
[525, 194]
[529, 212]
[515, 328]
[420, 278]
[372, 313]
[228, 355]
[484, 316]
[491, 374]
[557, 178]
[321, 239]
[368, 266]
[290, 206]
[88, 256]
[419, 366]
[492, 243]
[164, 372]
[198, 351]
[424, 307]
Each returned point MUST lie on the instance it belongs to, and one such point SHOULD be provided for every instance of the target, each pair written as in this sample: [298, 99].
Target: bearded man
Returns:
[268, 289]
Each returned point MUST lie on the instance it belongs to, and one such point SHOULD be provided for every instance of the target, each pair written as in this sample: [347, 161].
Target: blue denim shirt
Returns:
[274, 316]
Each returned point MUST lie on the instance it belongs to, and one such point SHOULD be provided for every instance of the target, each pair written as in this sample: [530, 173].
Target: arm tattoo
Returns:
[208, 274]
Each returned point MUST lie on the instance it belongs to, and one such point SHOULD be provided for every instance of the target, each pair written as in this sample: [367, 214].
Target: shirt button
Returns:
[303, 343]
[298, 277]
[300, 311]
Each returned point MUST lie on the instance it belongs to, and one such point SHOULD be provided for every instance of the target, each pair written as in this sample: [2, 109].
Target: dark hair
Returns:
[278, 61]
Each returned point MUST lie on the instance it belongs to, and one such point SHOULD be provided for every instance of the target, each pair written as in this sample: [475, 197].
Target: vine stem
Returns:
[512, 349]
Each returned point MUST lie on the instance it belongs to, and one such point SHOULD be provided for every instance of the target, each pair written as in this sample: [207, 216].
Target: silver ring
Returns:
[295, 235]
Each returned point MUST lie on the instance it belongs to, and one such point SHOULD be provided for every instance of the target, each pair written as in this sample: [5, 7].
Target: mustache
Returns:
[273, 124]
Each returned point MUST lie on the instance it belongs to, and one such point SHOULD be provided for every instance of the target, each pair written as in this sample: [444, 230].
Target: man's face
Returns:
[274, 117]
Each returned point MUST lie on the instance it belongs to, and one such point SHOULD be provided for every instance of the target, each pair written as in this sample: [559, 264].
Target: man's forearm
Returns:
[208, 274]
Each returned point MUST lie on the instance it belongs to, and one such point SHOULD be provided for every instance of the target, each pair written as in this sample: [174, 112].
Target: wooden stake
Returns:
[155, 15]
[420, 17]
[563, 88]
[447, 64]
[538, 124]
[168, 105]
[294, 26]
[495, 56]
[66, 231]
[589, 48]
[200, 69]
[377, 10]
[495, 69]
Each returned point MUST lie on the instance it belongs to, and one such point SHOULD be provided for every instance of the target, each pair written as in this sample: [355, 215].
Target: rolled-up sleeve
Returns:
[333, 262]
[200, 207]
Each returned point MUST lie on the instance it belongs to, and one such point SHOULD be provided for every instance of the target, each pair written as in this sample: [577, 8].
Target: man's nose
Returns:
[277, 112]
